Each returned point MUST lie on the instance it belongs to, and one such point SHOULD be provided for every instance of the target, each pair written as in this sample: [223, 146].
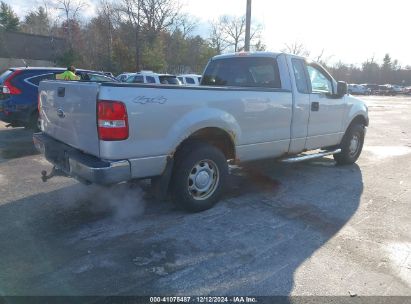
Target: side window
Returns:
[320, 83]
[300, 76]
[259, 72]
[190, 80]
[36, 80]
[181, 79]
[135, 79]
[150, 79]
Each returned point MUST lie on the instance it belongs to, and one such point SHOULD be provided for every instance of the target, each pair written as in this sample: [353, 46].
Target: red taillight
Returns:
[112, 120]
[8, 87]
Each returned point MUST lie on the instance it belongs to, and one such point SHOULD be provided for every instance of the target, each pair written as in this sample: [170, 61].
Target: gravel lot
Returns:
[305, 229]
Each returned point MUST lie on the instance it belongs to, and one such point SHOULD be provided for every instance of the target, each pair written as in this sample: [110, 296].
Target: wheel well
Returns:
[213, 136]
[360, 119]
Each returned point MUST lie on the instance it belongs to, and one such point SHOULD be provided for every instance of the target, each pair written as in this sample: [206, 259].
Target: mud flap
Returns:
[160, 184]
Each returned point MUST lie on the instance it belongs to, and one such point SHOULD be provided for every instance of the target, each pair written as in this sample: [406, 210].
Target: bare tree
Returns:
[159, 15]
[107, 12]
[234, 30]
[216, 38]
[186, 24]
[133, 13]
[229, 32]
[71, 10]
[296, 48]
[149, 17]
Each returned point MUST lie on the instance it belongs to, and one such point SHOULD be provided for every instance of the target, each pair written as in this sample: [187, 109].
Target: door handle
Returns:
[315, 106]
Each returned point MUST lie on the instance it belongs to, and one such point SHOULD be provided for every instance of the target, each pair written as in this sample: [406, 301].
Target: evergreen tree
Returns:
[8, 18]
[37, 22]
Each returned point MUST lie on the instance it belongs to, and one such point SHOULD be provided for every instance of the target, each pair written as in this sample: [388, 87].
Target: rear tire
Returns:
[351, 145]
[199, 176]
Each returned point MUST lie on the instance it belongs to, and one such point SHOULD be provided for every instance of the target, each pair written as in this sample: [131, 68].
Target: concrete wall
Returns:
[6, 63]
[28, 46]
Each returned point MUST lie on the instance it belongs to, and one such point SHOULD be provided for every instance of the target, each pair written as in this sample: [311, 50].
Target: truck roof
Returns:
[256, 54]
[247, 54]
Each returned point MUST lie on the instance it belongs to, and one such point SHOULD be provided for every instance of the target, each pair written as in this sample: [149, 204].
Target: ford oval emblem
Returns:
[60, 113]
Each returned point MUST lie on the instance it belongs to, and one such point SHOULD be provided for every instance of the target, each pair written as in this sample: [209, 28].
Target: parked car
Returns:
[407, 90]
[373, 88]
[249, 106]
[190, 79]
[19, 92]
[358, 89]
[398, 89]
[386, 90]
[152, 78]
[123, 77]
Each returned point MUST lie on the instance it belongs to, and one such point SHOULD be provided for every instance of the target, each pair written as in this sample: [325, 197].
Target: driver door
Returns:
[326, 110]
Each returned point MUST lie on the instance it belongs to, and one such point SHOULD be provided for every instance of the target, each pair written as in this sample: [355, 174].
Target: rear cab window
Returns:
[257, 72]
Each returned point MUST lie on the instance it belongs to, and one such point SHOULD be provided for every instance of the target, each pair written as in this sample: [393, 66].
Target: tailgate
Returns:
[68, 112]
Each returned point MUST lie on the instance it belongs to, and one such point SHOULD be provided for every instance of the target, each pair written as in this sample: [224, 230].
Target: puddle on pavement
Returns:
[388, 151]
[249, 180]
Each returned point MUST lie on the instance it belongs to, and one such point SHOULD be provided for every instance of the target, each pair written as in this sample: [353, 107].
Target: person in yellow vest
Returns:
[70, 74]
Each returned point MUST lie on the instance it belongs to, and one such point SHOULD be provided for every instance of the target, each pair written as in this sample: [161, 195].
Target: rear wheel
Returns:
[199, 177]
[351, 145]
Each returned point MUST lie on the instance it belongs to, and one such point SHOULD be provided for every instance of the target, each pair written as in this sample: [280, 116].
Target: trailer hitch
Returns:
[54, 172]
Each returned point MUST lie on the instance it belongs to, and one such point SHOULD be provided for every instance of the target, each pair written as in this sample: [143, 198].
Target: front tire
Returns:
[199, 177]
[351, 145]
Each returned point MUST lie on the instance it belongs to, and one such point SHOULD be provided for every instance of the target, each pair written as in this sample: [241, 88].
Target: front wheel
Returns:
[199, 177]
[351, 145]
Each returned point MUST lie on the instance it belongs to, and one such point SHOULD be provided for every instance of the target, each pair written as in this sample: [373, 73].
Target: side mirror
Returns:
[342, 88]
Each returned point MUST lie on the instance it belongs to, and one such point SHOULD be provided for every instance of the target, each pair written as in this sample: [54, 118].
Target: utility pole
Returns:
[248, 27]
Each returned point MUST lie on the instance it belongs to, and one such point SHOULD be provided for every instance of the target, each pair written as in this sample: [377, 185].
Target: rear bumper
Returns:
[84, 167]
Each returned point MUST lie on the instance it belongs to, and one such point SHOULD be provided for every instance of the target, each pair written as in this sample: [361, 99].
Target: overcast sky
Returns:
[348, 30]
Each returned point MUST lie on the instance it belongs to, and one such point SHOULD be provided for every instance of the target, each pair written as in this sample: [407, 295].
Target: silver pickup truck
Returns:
[249, 106]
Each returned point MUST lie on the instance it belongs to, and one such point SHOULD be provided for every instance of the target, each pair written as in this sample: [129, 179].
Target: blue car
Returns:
[18, 92]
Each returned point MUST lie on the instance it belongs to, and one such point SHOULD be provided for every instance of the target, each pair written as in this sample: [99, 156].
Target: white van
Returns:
[150, 77]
